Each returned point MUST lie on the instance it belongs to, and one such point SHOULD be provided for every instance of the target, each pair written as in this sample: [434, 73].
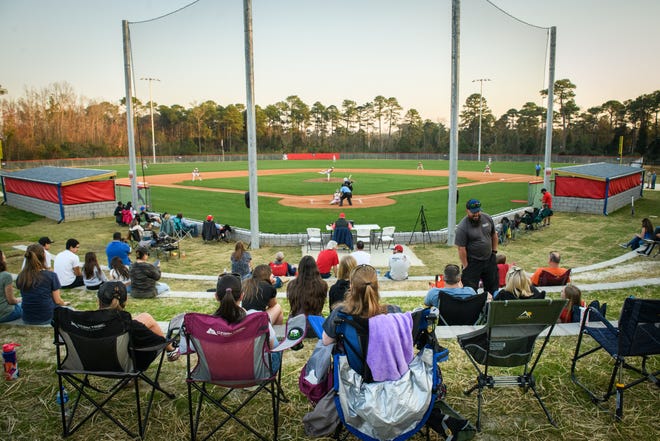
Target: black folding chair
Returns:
[460, 310]
[95, 357]
[637, 335]
[651, 244]
[507, 340]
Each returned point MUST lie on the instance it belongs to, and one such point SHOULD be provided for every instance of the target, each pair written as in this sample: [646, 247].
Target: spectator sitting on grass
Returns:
[361, 256]
[145, 276]
[399, 264]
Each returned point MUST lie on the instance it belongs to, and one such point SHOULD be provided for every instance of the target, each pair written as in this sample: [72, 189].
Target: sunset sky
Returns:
[329, 51]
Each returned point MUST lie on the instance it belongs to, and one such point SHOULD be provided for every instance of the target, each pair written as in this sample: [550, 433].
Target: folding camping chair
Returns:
[548, 279]
[235, 357]
[507, 340]
[180, 230]
[364, 405]
[460, 310]
[637, 335]
[651, 243]
[96, 358]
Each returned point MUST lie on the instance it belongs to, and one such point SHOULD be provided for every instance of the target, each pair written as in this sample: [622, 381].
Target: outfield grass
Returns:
[525, 168]
[307, 184]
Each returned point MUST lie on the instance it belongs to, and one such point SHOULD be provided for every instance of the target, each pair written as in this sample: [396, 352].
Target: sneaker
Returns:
[173, 355]
[623, 245]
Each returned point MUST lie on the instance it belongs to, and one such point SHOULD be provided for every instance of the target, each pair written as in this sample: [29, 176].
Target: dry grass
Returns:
[31, 412]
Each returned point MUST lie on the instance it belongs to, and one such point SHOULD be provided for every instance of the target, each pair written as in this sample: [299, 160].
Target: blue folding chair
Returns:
[637, 335]
[365, 406]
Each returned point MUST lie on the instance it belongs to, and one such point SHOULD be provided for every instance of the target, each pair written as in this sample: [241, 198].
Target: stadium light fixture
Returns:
[151, 106]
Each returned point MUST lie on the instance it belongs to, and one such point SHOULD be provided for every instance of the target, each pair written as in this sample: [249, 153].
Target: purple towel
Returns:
[390, 345]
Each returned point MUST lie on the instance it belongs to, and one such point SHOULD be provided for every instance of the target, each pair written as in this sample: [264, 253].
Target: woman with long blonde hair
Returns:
[362, 300]
[518, 287]
[338, 291]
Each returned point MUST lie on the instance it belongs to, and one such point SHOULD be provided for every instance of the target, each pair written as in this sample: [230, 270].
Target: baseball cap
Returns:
[342, 215]
[473, 205]
[45, 240]
[209, 217]
[228, 281]
[398, 248]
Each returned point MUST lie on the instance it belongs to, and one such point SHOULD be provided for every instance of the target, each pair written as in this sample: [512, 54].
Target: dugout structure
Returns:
[596, 188]
[61, 193]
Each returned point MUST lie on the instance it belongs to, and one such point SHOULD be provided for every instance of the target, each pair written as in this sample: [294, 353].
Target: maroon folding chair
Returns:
[233, 357]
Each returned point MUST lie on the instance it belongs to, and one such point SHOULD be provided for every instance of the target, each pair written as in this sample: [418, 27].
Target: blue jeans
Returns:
[161, 287]
[276, 360]
[634, 243]
[16, 314]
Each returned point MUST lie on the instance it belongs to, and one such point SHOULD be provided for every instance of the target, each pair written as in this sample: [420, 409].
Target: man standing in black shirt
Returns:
[476, 240]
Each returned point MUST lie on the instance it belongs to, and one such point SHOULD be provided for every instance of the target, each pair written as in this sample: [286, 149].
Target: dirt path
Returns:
[323, 201]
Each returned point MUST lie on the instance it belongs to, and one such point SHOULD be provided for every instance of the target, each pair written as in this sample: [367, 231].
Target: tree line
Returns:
[57, 123]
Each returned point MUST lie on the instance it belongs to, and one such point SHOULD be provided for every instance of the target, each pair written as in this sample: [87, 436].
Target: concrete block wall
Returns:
[33, 205]
[89, 211]
[51, 210]
[622, 199]
[578, 205]
[595, 206]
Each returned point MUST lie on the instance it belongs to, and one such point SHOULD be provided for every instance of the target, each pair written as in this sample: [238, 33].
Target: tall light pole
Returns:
[481, 105]
[151, 106]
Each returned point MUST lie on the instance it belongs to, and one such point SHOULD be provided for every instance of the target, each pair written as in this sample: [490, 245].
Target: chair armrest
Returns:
[296, 328]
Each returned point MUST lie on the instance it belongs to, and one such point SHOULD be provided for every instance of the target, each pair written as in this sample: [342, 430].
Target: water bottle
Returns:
[62, 397]
[10, 362]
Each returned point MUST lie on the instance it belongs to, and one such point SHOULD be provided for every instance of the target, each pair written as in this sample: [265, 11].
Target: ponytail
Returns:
[112, 295]
[229, 309]
[228, 293]
[34, 263]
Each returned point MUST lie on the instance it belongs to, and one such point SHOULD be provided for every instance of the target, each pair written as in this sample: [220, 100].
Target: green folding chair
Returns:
[507, 340]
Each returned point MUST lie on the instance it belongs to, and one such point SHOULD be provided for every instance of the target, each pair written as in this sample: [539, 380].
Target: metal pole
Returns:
[128, 81]
[453, 134]
[151, 106]
[481, 105]
[251, 126]
[548, 118]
